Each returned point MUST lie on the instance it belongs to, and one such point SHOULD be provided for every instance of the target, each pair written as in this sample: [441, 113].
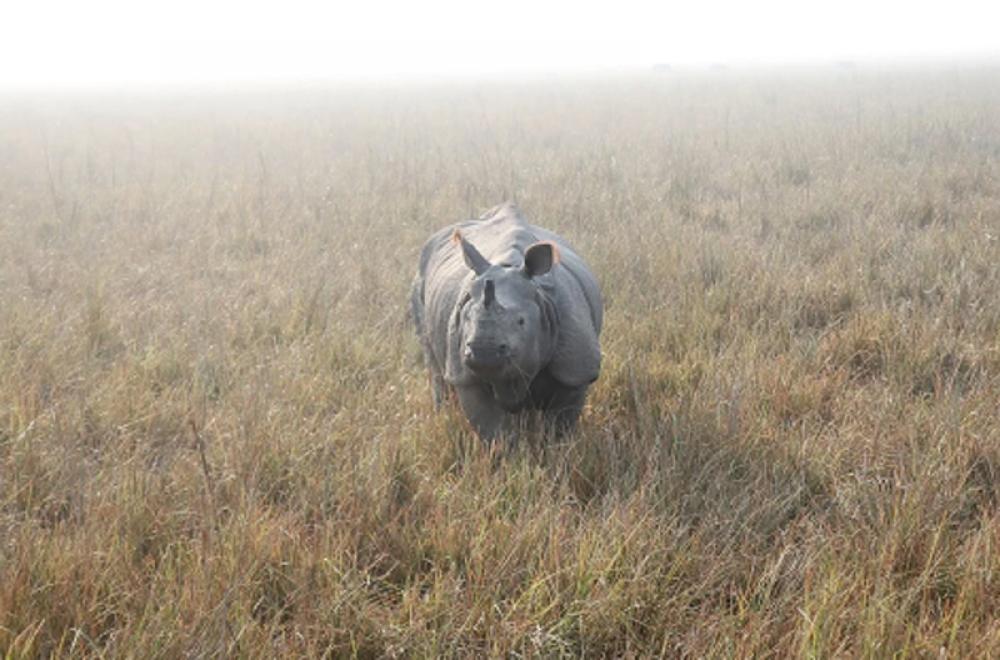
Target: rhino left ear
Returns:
[540, 257]
[473, 259]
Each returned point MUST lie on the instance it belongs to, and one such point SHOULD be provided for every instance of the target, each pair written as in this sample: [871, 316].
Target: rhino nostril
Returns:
[503, 349]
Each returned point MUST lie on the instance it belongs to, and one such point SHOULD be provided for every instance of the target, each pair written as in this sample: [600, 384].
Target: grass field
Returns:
[217, 439]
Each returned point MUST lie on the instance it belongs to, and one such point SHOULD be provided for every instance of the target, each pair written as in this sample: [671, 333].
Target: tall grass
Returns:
[216, 437]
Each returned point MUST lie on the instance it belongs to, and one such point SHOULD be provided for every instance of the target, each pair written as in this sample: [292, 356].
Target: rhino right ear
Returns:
[540, 257]
[473, 259]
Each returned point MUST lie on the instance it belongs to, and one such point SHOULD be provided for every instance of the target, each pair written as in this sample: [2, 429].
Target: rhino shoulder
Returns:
[576, 360]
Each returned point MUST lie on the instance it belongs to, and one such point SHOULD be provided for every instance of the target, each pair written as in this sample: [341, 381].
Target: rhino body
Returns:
[509, 317]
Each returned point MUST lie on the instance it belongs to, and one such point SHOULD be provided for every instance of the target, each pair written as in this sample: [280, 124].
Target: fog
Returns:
[62, 44]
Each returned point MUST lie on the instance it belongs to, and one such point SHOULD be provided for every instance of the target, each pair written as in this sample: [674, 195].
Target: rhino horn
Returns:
[489, 293]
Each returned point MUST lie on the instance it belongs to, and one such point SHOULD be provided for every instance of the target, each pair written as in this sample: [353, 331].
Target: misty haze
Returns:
[221, 435]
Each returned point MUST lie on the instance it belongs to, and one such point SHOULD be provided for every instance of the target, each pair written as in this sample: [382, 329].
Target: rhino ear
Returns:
[473, 259]
[540, 257]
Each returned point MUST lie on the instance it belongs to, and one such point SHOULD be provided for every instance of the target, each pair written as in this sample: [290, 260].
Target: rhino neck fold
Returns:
[511, 394]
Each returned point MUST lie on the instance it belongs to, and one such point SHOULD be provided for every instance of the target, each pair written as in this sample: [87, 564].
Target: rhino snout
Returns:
[484, 358]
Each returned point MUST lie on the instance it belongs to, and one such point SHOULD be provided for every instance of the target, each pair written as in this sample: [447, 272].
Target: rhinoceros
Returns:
[509, 317]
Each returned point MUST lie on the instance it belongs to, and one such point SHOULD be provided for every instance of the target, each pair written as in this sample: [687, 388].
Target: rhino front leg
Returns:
[438, 387]
[563, 409]
[482, 410]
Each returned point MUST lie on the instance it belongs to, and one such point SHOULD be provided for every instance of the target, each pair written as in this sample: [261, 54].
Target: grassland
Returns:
[216, 437]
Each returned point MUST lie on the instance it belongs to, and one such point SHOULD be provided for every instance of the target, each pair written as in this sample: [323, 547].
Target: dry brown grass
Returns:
[216, 437]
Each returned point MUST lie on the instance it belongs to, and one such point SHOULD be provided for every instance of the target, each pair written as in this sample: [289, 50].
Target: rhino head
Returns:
[507, 321]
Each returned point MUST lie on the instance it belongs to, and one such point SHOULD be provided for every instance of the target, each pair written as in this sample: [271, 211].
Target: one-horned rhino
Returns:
[509, 317]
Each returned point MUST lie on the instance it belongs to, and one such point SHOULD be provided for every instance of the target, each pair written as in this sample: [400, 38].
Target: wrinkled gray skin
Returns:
[509, 317]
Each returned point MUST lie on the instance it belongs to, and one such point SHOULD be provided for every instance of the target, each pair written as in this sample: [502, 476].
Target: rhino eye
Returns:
[520, 320]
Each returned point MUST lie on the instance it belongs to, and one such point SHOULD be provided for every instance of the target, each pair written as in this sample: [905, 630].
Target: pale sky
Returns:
[102, 42]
